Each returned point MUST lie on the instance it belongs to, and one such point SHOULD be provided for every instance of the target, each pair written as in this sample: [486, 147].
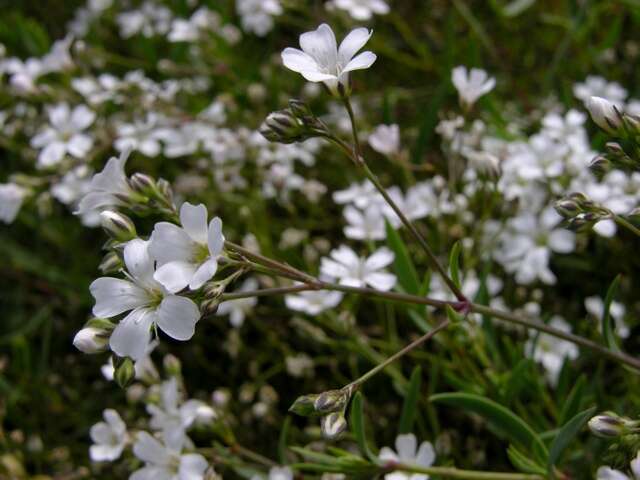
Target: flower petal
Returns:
[203, 274]
[297, 60]
[192, 467]
[215, 238]
[174, 276]
[114, 296]
[352, 43]
[379, 259]
[362, 61]
[150, 450]
[132, 335]
[320, 44]
[177, 317]
[169, 243]
[406, 446]
[194, 221]
[138, 261]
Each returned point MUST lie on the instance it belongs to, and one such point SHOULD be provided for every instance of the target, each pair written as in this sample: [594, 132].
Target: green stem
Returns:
[452, 472]
[623, 222]
[400, 353]
[357, 157]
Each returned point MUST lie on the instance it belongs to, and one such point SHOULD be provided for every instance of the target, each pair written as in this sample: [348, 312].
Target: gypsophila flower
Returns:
[313, 302]
[407, 452]
[187, 255]
[109, 438]
[595, 86]
[607, 473]
[320, 60]
[361, 9]
[64, 135]
[354, 271]
[239, 308]
[471, 84]
[165, 460]
[385, 139]
[147, 302]
[257, 15]
[11, 198]
[595, 306]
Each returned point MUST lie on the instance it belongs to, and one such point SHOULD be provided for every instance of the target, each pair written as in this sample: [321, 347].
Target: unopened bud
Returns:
[330, 401]
[165, 190]
[125, 372]
[333, 425]
[118, 226]
[209, 307]
[611, 425]
[110, 263]
[172, 365]
[600, 165]
[604, 113]
[143, 184]
[304, 405]
[91, 340]
[567, 208]
[282, 127]
[213, 290]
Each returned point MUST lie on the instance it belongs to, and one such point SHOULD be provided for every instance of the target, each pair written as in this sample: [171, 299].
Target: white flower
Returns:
[313, 302]
[472, 84]
[595, 306]
[277, 473]
[147, 302]
[90, 340]
[354, 271]
[365, 225]
[237, 309]
[165, 461]
[362, 9]
[604, 113]
[11, 197]
[257, 15]
[107, 188]
[361, 195]
[187, 255]
[109, 438]
[64, 135]
[595, 86]
[385, 139]
[408, 453]
[169, 415]
[320, 60]
[552, 351]
[606, 473]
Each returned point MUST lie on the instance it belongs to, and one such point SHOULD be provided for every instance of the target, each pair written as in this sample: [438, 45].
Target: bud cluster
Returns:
[330, 406]
[611, 425]
[580, 212]
[293, 124]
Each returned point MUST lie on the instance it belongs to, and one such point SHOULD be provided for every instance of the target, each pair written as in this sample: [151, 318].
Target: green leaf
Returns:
[282, 440]
[524, 462]
[501, 418]
[454, 263]
[572, 403]
[607, 321]
[410, 405]
[357, 427]
[402, 263]
[566, 435]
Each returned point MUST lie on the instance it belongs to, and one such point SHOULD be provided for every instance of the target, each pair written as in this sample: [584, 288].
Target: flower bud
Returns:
[91, 340]
[330, 401]
[172, 365]
[567, 208]
[604, 113]
[110, 263]
[600, 165]
[611, 425]
[143, 184]
[333, 425]
[118, 226]
[164, 190]
[282, 127]
[304, 405]
[125, 372]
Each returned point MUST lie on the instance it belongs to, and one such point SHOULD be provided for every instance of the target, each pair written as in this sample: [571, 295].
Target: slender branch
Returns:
[266, 292]
[359, 160]
[623, 222]
[452, 472]
[400, 353]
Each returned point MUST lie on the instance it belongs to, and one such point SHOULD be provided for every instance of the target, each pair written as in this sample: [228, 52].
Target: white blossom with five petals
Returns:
[354, 271]
[407, 452]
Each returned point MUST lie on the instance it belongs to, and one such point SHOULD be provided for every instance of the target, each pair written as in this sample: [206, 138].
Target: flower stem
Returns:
[452, 472]
[400, 353]
[359, 160]
[623, 222]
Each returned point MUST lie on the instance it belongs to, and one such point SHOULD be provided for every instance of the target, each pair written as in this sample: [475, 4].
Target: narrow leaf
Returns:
[500, 417]
[282, 440]
[607, 320]
[524, 462]
[572, 403]
[454, 263]
[566, 435]
[357, 426]
[410, 405]
[402, 263]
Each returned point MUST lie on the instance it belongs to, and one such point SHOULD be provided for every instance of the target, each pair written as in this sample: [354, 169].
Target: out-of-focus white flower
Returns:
[595, 86]
[595, 306]
[313, 302]
[385, 139]
[172, 414]
[362, 9]
[320, 60]
[364, 225]
[607, 473]
[109, 437]
[256, 16]
[107, 188]
[165, 460]
[64, 134]
[187, 255]
[11, 198]
[552, 351]
[604, 113]
[190, 30]
[149, 20]
[407, 452]
[276, 473]
[471, 84]
[141, 135]
[147, 301]
[239, 308]
[354, 271]
[360, 194]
